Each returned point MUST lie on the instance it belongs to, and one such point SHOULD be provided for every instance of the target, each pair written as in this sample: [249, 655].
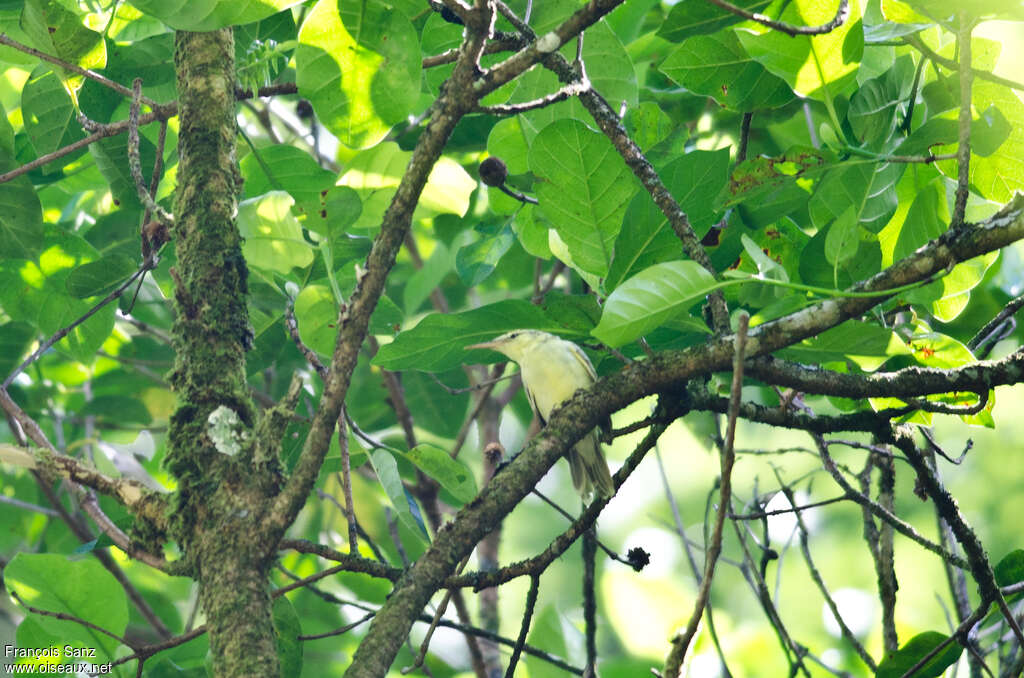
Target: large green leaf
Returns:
[273, 237]
[15, 338]
[869, 188]
[358, 63]
[716, 65]
[897, 663]
[689, 18]
[56, 30]
[477, 260]
[209, 15]
[21, 215]
[817, 66]
[866, 344]
[49, 114]
[375, 174]
[874, 106]
[453, 475]
[584, 191]
[99, 277]
[288, 628]
[646, 237]
[651, 298]
[386, 468]
[609, 68]
[81, 588]
[437, 342]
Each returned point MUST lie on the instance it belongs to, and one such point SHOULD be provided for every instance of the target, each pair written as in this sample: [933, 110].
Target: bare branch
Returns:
[842, 13]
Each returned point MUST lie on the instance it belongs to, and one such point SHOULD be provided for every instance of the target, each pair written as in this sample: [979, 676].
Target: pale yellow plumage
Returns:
[553, 369]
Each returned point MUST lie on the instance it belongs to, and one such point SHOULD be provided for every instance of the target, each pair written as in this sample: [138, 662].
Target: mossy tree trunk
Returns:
[220, 494]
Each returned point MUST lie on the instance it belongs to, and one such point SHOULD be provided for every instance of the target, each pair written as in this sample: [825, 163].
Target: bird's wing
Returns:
[533, 403]
[606, 423]
[583, 360]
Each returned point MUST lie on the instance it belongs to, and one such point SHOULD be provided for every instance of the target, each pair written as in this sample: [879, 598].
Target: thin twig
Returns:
[842, 13]
[714, 547]
[990, 328]
[84, 72]
[64, 331]
[425, 645]
[341, 630]
[904, 528]
[963, 151]
[918, 44]
[524, 628]
[135, 163]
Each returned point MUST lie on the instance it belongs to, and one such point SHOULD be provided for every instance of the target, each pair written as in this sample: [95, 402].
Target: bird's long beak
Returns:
[486, 344]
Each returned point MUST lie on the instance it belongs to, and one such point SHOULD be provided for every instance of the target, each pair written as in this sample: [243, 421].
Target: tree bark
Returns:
[221, 498]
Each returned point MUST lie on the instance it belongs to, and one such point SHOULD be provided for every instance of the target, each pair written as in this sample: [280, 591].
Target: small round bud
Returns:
[493, 171]
[304, 109]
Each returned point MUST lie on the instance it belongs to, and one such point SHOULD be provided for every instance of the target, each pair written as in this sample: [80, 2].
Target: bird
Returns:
[552, 370]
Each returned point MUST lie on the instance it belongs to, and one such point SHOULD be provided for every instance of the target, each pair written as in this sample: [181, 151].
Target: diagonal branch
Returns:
[842, 14]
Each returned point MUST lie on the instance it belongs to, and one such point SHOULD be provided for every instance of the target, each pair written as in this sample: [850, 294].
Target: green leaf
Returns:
[998, 175]
[386, 468]
[817, 66]
[477, 260]
[15, 338]
[49, 115]
[865, 344]
[359, 65]
[842, 238]
[584, 191]
[868, 187]
[59, 32]
[689, 18]
[988, 132]
[111, 156]
[609, 68]
[21, 215]
[99, 277]
[717, 66]
[82, 588]
[754, 180]
[914, 650]
[579, 312]
[118, 409]
[506, 142]
[285, 168]
[440, 413]
[874, 107]
[426, 279]
[288, 628]
[453, 475]
[1010, 570]
[651, 298]
[646, 238]
[437, 342]
[548, 633]
[647, 124]
[209, 15]
[949, 296]
[273, 237]
[375, 174]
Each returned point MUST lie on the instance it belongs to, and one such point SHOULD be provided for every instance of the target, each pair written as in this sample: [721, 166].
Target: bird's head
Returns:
[516, 343]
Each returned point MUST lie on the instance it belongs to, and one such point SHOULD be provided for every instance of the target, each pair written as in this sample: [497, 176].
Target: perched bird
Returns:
[553, 369]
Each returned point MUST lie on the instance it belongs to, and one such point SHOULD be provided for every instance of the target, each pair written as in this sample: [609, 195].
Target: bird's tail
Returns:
[589, 469]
